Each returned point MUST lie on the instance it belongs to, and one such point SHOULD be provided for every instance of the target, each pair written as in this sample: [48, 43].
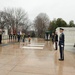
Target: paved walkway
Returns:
[37, 58]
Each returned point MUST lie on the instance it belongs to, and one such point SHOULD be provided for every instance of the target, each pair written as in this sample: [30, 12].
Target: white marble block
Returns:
[69, 36]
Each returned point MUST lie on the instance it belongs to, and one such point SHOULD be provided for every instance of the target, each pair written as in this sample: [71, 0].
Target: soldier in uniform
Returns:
[61, 44]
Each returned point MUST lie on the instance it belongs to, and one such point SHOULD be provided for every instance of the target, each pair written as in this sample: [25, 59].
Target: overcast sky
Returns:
[54, 8]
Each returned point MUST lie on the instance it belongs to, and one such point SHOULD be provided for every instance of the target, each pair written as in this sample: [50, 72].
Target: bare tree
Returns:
[41, 24]
[18, 18]
[4, 19]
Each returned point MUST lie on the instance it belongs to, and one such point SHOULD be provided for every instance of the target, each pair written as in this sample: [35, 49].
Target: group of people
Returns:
[19, 36]
[13, 35]
[60, 42]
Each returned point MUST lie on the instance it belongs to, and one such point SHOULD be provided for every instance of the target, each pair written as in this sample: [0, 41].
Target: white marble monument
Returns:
[69, 37]
[5, 34]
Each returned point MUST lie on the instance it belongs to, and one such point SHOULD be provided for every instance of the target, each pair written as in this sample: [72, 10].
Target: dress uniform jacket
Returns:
[61, 45]
[61, 40]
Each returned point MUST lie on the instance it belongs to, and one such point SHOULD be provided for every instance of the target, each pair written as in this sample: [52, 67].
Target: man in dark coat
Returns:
[56, 41]
[0, 36]
[18, 36]
[61, 44]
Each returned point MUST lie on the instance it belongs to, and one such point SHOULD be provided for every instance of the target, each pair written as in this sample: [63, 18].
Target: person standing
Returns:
[0, 36]
[23, 36]
[61, 44]
[29, 38]
[18, 36]
[14, 34]
[56, 41]
[11, 34]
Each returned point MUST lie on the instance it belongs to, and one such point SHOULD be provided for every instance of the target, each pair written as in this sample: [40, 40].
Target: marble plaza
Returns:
[37, 58]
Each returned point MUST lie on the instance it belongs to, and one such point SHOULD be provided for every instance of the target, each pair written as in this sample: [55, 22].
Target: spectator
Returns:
[0, 36]
[56, 41]
[18, 36]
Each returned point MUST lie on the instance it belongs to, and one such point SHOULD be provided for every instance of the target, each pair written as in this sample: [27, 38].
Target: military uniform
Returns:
[61, 45]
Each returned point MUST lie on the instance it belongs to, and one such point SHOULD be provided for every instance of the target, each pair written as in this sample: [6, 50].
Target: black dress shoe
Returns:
[63, 59]
[60, 59]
